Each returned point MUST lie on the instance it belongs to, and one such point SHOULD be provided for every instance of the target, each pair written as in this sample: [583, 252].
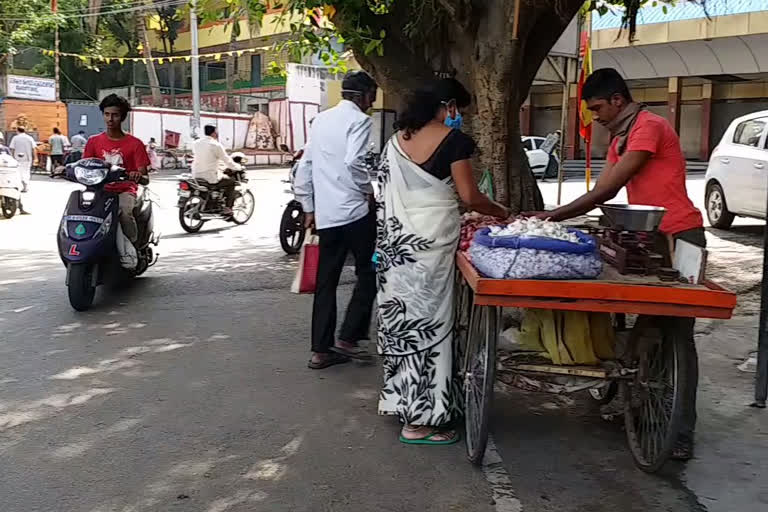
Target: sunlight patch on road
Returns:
[27, 412]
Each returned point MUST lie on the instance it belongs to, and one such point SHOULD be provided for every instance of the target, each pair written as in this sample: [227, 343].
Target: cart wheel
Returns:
[463, 304]
[479, 375]
[654, 399]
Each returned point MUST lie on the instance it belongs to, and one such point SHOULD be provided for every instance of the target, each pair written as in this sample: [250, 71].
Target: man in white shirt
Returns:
[333, 186]
[210, 159]
[23, 149]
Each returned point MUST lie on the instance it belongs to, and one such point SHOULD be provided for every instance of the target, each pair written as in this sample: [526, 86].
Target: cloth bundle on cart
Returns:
[526, 257]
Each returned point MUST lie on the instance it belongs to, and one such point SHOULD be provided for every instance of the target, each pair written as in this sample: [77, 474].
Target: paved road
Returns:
[188, 391]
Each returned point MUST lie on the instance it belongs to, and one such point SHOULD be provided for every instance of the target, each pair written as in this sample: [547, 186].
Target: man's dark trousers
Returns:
[359, 238]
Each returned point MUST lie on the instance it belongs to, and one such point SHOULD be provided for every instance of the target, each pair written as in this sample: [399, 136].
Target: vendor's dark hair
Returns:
[603, 83]
[423, 104]
[113, 100]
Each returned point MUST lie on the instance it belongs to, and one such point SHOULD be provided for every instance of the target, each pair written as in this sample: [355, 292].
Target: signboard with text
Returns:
[31, 88]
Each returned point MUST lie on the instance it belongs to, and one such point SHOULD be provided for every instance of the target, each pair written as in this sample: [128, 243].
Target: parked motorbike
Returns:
[292, 230]
[91, 245]
[200, 202]
[10, 183]
[292, 221]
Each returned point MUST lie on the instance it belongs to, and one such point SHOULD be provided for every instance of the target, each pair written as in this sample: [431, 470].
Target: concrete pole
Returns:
[195, 61]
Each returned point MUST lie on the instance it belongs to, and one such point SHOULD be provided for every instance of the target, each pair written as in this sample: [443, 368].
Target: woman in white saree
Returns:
[423, 167]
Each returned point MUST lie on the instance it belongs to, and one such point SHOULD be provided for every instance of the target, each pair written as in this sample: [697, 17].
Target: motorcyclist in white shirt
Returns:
[210, 159]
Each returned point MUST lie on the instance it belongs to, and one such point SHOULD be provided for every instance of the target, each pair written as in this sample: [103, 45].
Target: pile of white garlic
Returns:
[533, 227]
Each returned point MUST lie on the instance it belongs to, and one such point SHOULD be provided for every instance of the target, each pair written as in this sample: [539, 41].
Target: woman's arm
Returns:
[469, 193]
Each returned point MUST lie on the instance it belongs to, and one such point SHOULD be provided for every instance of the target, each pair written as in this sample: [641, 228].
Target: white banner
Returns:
[31, 88]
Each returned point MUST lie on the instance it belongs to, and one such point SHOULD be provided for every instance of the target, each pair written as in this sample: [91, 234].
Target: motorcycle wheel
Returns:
[292, 228]
[80, 288]
[242, 209]
[9, 207]
[187, 219]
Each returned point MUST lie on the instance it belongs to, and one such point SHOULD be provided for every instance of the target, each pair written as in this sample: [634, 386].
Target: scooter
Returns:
[91, 243]
[10, 183]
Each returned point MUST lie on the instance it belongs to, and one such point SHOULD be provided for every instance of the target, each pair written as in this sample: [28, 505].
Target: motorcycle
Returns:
[292, 230]
[10, 183]
[91, 243]
[200, 202]
[292, 221]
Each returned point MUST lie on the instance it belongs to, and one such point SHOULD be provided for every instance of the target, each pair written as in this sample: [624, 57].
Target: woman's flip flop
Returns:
[428, 440]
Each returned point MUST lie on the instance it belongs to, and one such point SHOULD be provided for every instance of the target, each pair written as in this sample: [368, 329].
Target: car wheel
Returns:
[717, 209]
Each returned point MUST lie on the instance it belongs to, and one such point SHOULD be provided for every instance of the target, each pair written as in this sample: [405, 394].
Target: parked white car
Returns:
[538, 159]
[737, 175]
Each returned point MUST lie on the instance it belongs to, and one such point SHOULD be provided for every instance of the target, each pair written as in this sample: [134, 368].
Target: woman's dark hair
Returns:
[113, 100]
[422, 105]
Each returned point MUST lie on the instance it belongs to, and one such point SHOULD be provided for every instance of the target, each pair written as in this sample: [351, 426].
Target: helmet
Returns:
[238, 156]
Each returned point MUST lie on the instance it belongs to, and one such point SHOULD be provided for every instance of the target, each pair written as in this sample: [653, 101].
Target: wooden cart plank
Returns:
[579, 371]
[708, 298]
[604, 306]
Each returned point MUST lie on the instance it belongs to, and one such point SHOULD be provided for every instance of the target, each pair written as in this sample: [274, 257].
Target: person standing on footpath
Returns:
[645, 156]
[333, 186]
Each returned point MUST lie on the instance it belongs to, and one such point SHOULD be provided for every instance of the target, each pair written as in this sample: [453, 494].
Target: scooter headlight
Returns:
[104, 228]
[90, 177]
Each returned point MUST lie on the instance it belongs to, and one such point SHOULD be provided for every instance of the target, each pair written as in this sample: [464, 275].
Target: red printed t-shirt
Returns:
[661, 182]
[128, 152]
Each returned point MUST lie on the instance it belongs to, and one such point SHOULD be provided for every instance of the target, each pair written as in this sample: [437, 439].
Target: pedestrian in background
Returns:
[334, 187]
[78, 145]
[453, 119]
[57, 143]
[23, 149]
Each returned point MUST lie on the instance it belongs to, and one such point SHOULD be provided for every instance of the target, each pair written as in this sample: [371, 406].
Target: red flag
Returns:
[585, 116]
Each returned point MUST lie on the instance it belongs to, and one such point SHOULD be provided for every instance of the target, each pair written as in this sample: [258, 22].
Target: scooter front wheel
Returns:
[80, 286]
[9, 206]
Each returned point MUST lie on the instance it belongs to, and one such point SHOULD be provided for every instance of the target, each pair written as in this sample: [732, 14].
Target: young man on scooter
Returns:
[119, 148]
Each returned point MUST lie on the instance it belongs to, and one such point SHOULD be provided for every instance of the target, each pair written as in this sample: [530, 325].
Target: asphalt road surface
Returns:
[188, 391]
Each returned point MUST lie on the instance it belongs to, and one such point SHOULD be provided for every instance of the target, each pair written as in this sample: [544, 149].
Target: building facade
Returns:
[700, 69]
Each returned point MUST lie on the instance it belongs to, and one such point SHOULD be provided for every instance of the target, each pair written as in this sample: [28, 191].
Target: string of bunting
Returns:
[101, 58]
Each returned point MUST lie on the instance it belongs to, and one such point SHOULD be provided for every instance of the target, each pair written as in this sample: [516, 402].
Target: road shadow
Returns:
[744, 235]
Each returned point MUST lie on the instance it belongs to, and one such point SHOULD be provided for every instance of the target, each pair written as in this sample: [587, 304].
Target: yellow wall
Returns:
[220, 33]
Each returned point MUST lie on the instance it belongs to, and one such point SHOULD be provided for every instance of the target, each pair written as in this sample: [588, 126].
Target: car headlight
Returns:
[88, 176]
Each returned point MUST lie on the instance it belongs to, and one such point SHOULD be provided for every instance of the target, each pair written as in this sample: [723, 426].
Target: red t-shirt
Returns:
[662, 181]
[128, 152]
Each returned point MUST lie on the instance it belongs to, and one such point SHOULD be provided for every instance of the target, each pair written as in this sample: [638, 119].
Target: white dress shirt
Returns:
[210, 158]
[332, 180]
[23, 146]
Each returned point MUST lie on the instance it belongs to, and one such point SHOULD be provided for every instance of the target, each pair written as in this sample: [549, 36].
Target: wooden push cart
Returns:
[653, 371]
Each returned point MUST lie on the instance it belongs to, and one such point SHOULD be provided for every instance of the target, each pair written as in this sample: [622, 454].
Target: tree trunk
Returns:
[154, 83]
[230, 70]
[92, 22]
[494, 66]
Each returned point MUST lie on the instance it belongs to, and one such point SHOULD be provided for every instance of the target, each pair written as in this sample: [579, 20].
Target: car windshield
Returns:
[528, 144]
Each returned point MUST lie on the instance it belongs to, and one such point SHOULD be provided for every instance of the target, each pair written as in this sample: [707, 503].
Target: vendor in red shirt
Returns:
[646, 157]
[119, 148]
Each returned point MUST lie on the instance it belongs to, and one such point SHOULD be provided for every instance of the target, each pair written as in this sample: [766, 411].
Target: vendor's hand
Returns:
[135, 176]
[538, 215]
[309, 220]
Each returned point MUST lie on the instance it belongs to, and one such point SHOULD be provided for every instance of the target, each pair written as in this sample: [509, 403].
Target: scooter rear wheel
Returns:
[9, 206]
[189, 215]
[80, 286]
